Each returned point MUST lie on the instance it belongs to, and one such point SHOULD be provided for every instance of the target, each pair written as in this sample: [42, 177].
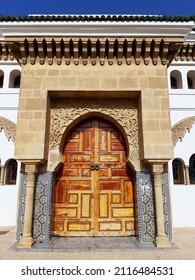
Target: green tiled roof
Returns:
[95, 18]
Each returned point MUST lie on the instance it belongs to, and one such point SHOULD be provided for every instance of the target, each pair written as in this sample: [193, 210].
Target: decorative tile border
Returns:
[42, 207]
[166, 206]
[146, 207]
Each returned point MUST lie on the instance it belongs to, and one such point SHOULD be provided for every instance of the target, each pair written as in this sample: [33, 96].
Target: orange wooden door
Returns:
[94, 192]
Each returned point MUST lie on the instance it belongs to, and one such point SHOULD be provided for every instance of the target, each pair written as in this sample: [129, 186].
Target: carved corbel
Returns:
[4, 51]
[49, 53]
[41, 52]
[12, 50]
[84, 52]
[110, 52]
[120, 53]
[173, 50]
[147, 52]
[93, 52]
[164, 52]
[129, 52]
[76, 52]
[102, 52]
[193, 53]
[58, 53]
[32, 52]
[23, 59]
[155, 52]
[67, 52]
[138, 51]
[183, 53]
[189, 52]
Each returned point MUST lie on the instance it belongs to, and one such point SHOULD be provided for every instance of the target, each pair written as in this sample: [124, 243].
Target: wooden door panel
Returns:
[85, 205]
[107, 158]
[94, 202]
[78, 227]
[109, 185]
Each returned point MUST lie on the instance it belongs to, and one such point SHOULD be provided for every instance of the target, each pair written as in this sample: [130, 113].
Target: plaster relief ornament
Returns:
[65, 111]
[180, 128]
[8, 127]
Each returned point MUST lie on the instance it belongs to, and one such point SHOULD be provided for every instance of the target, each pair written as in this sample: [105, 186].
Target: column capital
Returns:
[157, 169]
[30, 168]
[157, 166]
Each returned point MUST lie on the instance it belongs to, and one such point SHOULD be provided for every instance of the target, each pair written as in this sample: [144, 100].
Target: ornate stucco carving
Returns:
[65, 111]
[180, 128]
[8, 127]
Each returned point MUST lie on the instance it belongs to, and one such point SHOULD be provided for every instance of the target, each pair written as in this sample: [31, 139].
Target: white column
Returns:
[161, 240]
[27, 239]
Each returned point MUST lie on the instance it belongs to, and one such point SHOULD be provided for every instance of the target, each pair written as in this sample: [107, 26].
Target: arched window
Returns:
[1, 78]
[191, 79]
[11, 172]
[192, 169]
[190, 83]
[173, 82]
[14, 80]
[17, 82]
[178, 171]
[176, 79]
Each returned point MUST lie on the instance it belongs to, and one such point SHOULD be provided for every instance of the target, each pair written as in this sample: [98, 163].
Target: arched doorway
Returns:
[93, 195]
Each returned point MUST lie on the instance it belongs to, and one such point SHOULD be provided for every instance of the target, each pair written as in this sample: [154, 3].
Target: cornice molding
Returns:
[132, 29]
[117, 39]
[180, 128]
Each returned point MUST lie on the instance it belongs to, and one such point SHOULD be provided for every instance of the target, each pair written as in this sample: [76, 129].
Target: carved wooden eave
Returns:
[180, 128]
[91, 50]
[93, 42]
[186, 52]
[5, 52]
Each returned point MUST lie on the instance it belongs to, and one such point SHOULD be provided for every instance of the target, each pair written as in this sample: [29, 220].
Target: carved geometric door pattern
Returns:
[93, 195]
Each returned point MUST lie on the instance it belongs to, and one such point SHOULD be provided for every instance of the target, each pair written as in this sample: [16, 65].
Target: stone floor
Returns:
[110, 248]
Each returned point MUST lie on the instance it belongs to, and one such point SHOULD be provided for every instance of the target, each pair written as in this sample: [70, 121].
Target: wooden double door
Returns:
[93, 195]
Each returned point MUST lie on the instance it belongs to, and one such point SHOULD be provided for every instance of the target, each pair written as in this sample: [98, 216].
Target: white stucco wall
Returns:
[8, 109]
[7, 148]
[8, 193]
[8, 205]
[182, 105]
[183, 205]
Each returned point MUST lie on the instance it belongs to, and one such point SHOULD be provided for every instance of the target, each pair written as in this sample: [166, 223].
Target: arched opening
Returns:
[94, 193]
[11, 172]
[192, 169]
[1, 78]
[17, 82]
[91, 115]
[178, 171]
[14, 81]
[191, 79]
[176, 79]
